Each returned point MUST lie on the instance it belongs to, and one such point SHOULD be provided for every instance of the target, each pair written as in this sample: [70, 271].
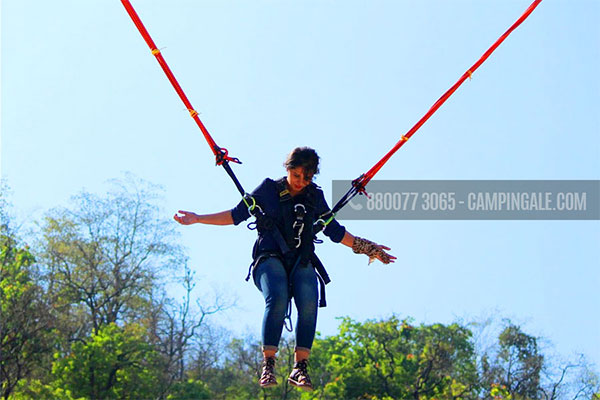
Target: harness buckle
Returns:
[253, 208]
[298, 225]
[300, 211]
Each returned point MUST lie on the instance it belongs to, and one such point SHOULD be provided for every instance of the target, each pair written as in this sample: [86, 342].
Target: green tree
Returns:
[391, 359]
[236, 373]
[176, 331]
[190, 390]
[25, 338]
[113, 363]
[37, 389]
[516, 366]
[105, 255]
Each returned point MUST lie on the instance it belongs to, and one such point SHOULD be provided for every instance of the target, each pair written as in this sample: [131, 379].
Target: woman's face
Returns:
[297, 180]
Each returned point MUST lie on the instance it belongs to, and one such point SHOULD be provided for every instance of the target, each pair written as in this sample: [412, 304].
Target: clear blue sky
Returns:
[83, 100]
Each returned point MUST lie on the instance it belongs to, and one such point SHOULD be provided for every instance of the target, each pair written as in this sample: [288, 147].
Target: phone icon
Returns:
[356, 207]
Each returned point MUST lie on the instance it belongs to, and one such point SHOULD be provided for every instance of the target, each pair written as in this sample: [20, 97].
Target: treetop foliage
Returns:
[85, 315]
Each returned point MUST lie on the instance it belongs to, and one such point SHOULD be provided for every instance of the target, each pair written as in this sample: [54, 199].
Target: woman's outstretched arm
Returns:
[189, 218]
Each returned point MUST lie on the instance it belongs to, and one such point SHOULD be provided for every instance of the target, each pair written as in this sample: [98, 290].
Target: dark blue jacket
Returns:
[272, 198]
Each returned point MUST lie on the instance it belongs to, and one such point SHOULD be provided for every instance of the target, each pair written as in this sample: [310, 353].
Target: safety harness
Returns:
[294, 236]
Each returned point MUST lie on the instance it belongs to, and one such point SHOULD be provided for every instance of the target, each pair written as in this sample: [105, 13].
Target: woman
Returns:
[285, 265]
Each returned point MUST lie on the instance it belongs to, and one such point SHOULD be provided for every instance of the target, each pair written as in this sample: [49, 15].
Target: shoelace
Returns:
[268, 365]
[302, 366]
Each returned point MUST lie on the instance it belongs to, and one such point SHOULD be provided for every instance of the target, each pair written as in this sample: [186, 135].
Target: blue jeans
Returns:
[270, 277]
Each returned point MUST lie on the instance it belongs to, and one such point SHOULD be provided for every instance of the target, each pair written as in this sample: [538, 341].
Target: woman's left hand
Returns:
[382, 255]
[371, 249]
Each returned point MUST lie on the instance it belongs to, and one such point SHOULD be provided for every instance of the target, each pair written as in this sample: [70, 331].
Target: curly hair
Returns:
[304, 157]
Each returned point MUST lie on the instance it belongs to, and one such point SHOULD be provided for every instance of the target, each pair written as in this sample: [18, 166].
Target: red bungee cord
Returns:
[362, 181]
[219, 152]
[359, 184]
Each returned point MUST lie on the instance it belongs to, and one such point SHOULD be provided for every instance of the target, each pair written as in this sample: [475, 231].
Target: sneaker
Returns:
[267, 378]
[299, 376]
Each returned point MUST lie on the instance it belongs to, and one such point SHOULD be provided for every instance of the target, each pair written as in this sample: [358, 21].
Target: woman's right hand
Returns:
[187, 218]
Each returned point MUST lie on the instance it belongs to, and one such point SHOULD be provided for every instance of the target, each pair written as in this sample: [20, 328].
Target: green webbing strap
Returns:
[250, 207]
[323, 223]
